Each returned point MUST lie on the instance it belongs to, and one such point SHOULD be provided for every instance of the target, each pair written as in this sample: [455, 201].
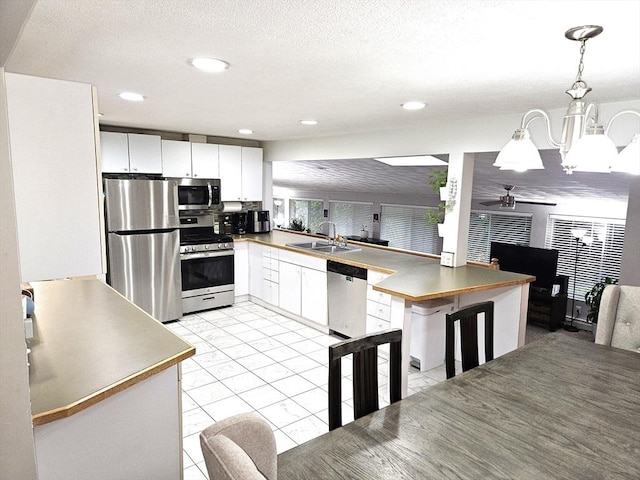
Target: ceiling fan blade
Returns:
[550, 204]
[493, 202]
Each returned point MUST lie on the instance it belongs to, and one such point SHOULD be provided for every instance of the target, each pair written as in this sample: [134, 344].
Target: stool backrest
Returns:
[365, 373]
[468, 318]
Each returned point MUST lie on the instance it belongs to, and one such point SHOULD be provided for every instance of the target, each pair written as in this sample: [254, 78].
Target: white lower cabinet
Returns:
[378, 305]
[241, 268]
[290, 288]
[314, 295]
[270, 276]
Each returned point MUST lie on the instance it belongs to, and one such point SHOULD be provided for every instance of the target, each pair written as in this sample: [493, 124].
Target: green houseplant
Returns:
[297, 224]
[437, 179]
[592, 298]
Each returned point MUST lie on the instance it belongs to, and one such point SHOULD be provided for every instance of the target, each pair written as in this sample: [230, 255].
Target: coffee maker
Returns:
[239, 223]
[258, 221]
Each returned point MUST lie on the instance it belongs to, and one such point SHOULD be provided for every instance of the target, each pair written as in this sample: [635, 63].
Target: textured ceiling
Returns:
[349, 63]
[371, 176]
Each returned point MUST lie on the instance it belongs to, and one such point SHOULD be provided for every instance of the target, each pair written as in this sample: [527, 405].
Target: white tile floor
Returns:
[250, 359]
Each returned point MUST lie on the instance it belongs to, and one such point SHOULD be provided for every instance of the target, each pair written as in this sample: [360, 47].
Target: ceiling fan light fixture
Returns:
[580, 122]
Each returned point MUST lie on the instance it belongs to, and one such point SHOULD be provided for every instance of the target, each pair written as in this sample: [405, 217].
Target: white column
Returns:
[457, 216]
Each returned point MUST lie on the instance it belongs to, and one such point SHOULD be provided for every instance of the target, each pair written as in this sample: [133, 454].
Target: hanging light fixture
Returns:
[584, 145]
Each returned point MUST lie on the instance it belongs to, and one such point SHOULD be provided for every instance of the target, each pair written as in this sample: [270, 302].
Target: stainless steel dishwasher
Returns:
[347, 295]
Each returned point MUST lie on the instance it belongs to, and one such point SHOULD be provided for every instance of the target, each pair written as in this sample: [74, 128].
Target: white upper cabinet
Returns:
[131, 153]
[251, 174]
[241, 173]
[145, 153]
[56, 182]
[230, 157]
[176, 159]
[204, 160]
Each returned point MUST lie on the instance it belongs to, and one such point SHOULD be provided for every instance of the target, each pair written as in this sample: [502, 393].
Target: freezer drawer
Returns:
[145, 268]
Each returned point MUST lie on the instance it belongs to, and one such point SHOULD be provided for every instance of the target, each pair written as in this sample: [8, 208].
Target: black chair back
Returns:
[468, 317]
[365, 373]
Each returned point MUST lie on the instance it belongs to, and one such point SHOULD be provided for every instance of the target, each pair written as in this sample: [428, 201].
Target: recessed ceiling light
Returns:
[131, 96]
[309, 122]
[209, 64]
[245, 131]
[412, 161]
[414, 105]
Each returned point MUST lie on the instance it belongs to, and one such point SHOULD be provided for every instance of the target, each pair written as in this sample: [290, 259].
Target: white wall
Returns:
[630, 274]
[17, 458]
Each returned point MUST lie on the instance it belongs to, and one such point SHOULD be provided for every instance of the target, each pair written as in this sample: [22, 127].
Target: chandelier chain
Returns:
[583, 47]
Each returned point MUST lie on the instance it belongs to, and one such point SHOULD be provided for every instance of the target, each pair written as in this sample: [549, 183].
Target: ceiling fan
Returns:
[509, 201]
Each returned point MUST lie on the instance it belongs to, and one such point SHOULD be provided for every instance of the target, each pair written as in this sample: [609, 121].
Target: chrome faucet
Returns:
[332, 239]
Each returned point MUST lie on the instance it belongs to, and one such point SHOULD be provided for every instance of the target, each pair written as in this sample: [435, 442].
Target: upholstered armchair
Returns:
[241, 447]
[619, 317]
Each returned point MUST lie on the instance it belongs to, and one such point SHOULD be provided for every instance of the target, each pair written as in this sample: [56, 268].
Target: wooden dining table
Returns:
[557, 408]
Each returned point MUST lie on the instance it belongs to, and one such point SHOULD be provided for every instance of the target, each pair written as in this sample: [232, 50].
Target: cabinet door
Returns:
[145, 153]
[230, 157]
[115, 152]
[204, 160]
[176, 159]
[290, 283]
[314, 296]
[255, 270]
[55, 177]
[241, 268]
[251, 174]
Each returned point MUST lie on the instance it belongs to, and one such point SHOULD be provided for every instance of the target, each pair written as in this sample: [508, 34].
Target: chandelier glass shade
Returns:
[584, 145]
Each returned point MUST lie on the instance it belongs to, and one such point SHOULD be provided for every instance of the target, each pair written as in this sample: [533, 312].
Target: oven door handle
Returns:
[190, 256]
[210, 194]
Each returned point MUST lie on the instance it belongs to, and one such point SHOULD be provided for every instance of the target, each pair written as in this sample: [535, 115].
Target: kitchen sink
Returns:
[323, 247]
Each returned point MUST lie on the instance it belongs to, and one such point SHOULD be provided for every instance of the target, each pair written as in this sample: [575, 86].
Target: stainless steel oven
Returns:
[207, 265]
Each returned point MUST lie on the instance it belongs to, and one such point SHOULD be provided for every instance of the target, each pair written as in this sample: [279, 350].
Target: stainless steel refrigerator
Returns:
[144, 244]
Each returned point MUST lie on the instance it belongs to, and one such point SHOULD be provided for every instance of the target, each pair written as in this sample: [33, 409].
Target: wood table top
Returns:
[89, 344]
[557, 408]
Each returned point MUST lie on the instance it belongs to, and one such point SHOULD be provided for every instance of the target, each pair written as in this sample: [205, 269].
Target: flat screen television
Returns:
[541, 262]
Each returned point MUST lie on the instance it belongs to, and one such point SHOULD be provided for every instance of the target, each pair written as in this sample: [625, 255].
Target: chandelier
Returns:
[584, 145]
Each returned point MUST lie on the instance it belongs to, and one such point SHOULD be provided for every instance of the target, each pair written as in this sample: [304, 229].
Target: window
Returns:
[593, 262]
[485, 228]
[309, 211]
[349, 217]
[405, 227]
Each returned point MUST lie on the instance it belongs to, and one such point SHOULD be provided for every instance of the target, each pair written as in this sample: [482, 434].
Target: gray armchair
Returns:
[619, 317]
[241, 447]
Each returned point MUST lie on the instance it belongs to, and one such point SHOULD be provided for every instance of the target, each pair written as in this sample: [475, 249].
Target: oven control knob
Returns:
[206, 247]
[226, 245]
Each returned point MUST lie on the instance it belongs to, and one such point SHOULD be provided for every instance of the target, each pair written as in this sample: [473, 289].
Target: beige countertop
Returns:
[414, 276]
[89, 344]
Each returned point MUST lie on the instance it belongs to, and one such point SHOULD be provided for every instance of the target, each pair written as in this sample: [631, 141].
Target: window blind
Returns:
[485, 227]
[593, 262]
[350, 216]
[405, 227]
[311, 212]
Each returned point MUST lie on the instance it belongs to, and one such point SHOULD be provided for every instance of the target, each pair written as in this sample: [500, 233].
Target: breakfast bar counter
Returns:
[414, 276]
[104, 383]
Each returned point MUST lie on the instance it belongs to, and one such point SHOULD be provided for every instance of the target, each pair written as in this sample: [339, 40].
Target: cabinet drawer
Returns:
[378, 310]
[379, 297]
[271, 275]
[374, 277]
[271, 252]
[270, 263]
[375, 324]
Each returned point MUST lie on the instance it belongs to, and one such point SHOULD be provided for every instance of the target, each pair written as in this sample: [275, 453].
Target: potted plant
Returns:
[438, 182]
[592, 298]
[297, 224]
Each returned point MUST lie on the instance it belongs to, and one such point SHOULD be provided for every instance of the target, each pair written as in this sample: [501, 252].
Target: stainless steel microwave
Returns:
[198, 194]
